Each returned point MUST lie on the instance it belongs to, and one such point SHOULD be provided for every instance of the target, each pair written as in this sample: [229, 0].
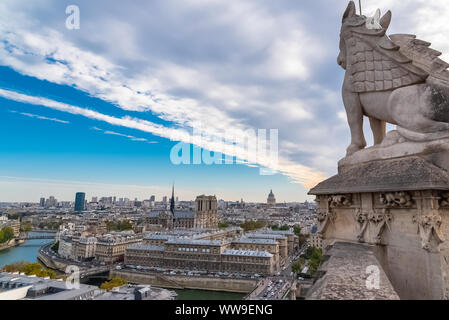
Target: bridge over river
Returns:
[34, 236]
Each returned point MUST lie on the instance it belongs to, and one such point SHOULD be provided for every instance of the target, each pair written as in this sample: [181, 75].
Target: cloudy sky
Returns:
[100, 109]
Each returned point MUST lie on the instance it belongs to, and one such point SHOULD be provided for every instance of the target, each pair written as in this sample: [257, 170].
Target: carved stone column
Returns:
[401, 207]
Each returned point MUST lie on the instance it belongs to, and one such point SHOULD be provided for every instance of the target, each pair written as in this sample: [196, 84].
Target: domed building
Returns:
[271, 200]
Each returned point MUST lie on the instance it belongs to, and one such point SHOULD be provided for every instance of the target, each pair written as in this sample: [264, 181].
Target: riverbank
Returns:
[50, 262]
[10, 244]
[191, 291]
[25, 250]
[242, 286]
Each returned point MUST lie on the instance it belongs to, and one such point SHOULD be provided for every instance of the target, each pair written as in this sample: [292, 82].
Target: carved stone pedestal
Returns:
[402, 207]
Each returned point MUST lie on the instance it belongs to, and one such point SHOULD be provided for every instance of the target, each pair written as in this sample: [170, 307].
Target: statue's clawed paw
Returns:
[353, 148]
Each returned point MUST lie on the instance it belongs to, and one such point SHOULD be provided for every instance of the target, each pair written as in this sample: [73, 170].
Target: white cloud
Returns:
[265, 78]
[132, 138]
[426, 19]
[40, 117]
[296, 172]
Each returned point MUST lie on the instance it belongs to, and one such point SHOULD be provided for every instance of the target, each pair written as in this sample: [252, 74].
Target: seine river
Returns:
[29, 249]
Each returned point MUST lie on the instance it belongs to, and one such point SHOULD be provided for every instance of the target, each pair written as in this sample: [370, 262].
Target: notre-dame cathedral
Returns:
[205, 215]
[206, 212]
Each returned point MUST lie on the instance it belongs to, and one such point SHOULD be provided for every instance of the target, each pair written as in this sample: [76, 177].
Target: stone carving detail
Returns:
[324, 218]
[399, 199]
[362, 219]
[378, 221]
[444, 201]
[340, 200]
[429, 228]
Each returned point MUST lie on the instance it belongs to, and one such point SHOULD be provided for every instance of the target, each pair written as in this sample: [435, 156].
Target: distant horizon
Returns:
[34, 189]
[157, 199]
[181, 200]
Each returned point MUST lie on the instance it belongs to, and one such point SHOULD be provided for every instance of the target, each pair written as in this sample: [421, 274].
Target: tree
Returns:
[223, 225]
[252, 225]
[298, 265]
[9, 233]
[6, 234]
[30, 268]
[125, 225]
[119, 225]
[13, 216]
[114, 282]
[297, 230]
[15, 267]
[50, 225]
[55, 247]
[26, 226]
[315, 256]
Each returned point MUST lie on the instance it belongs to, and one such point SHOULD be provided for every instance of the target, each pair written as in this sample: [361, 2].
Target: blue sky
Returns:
[99, 109]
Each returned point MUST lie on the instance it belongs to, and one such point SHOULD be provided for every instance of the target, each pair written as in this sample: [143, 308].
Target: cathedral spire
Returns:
[172, 200]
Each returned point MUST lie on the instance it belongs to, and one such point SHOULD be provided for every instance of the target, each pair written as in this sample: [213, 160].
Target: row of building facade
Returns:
[211, 250]
[108, 248]
[221, 251]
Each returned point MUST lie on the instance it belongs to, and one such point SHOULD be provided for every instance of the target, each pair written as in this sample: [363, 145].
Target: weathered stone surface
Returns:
[393, 197]
[346, 273]
[408, 87]
[396, 146]
[403, 174]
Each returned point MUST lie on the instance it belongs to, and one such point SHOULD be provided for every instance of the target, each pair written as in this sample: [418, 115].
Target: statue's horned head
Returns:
[362, 25]
[373, 23]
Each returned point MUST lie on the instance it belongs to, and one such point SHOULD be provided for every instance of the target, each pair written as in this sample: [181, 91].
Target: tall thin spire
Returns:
[172, 200]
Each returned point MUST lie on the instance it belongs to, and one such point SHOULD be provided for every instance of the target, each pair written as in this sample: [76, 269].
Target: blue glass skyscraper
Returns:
[79, 201]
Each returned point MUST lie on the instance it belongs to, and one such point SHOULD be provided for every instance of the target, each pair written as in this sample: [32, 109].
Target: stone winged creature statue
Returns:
[396, 79]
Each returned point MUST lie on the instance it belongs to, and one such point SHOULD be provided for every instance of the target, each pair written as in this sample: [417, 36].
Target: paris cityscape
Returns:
[202, 240]
[190, 153]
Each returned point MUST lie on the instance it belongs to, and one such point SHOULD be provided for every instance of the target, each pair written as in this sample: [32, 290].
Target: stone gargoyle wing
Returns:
[423, 56]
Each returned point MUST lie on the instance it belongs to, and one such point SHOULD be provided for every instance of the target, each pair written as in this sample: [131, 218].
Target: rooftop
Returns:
[251, 253]
[255, 241]
[265, 236]
[195, 242]
[146, 248]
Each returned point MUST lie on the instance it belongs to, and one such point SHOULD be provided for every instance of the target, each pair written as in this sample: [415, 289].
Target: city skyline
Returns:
[116, 198]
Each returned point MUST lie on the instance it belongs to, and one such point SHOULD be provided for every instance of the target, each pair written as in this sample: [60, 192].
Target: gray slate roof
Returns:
[247, 253]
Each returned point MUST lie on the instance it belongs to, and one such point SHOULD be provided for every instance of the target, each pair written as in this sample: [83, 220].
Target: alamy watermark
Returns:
[73, 279]
[373, 280]
[73, 20]
[251, 148]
